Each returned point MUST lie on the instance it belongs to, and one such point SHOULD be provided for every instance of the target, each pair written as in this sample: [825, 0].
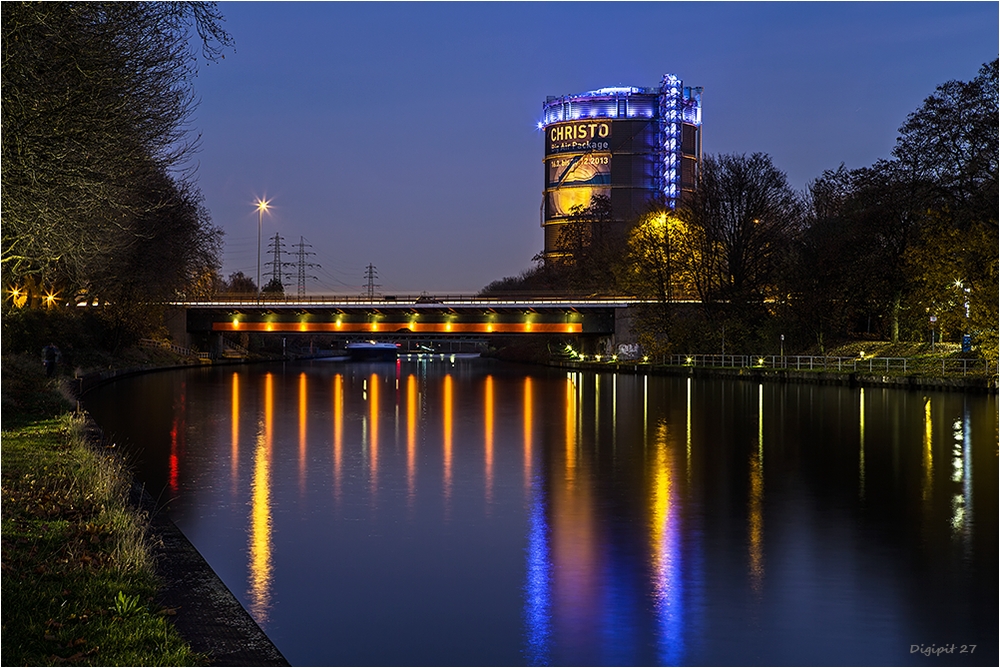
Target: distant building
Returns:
[639, 147]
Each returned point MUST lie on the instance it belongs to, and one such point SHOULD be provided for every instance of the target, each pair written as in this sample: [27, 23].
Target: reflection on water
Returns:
[260, 510]
[666, 559]
[473, 513]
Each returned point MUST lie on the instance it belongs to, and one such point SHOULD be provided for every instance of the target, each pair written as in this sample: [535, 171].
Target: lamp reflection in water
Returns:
[666, 557]
[961, 502]
[571, 421]
[235, 418]
[528, 429]
[174, 465]
[488, 438]
[537, 578]
[756, 514]
[373, 429]
[177, 430]
[927, 487]
[260, 511]
[303, 443]
[687, 440]
[861, 438]
[411, 438]
[448, 408]
[575, 540]
[338, 433]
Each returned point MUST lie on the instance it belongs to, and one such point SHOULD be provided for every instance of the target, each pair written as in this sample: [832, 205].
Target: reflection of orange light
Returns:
[928, 459]
[303, 413]
[338, 429]
[235, 417]
[528, 419]
[373, 405]
[578, 570]
[448, 406]
[260, 513]
[570, 431]
[489, 438]
[411, 434]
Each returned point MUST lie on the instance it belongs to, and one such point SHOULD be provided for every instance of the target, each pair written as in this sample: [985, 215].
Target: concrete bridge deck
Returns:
[406, 315]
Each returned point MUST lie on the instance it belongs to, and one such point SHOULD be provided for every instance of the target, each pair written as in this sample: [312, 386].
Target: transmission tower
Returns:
[302, 264]
[370, 275]
[275, 247]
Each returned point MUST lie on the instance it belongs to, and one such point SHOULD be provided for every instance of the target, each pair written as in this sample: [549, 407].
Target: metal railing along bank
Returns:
[166, 345]
[886, 365]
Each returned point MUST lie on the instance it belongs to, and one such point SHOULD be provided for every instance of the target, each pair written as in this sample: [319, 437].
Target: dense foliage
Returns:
[876, 252]
[98, 205]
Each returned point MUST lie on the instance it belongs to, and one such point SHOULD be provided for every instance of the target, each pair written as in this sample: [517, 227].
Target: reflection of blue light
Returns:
[670, 597]
[538, 583]
[620, 603]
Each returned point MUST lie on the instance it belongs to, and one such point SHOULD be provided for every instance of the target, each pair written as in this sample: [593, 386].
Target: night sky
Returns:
[404, 135]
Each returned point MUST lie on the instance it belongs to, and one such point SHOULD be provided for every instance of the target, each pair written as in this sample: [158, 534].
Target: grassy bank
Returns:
[78, 585]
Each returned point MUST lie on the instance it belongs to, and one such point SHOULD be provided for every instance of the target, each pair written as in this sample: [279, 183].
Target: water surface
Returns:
[467, 512]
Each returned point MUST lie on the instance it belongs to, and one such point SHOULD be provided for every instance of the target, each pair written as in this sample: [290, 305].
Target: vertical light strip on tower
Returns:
[638, 147]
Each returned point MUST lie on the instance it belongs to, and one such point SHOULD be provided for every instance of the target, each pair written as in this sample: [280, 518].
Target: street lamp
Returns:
[261, 208]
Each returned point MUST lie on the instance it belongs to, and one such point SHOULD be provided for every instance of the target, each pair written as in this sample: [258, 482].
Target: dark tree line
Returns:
[871, 252]
[98, 204]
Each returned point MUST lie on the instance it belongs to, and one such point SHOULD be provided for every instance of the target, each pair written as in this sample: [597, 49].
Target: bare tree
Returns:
[96, 100]
[740, 219]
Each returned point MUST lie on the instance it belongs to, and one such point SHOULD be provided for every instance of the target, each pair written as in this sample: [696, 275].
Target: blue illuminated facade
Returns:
[638, 147]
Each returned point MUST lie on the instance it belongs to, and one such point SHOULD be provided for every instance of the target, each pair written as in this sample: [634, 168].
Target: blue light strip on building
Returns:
[670, 105]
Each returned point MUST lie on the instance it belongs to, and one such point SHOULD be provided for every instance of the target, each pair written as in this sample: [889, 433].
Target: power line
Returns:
[302, 264]
[370, 275]
[275, 247]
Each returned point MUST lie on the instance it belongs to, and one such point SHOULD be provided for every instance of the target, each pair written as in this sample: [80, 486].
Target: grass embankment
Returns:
[78, 584]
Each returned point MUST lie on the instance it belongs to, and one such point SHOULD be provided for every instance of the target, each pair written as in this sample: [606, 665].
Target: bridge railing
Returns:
[888, 365]
[255, 301]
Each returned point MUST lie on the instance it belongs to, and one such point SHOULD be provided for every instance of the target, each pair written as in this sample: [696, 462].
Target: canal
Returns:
[470, 512]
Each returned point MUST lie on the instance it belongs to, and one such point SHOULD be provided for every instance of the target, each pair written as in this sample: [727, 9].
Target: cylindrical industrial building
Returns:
[639, 147]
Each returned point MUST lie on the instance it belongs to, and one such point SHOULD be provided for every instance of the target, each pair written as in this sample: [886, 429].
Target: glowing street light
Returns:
[261, 208]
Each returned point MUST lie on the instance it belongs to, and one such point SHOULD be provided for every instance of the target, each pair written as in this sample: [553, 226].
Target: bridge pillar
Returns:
[624, 334]
[216, 347]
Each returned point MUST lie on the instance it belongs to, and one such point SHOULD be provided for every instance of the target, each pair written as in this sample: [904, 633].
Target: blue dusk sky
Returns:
[404, 135]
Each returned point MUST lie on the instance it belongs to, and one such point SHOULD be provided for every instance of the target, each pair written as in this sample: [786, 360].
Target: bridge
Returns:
[401, 317]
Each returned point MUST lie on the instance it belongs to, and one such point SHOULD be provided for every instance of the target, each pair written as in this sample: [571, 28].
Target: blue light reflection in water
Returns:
[473, 513]
[538, 581]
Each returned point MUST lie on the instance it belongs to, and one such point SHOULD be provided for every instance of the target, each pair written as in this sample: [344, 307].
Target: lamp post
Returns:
[261, 208]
